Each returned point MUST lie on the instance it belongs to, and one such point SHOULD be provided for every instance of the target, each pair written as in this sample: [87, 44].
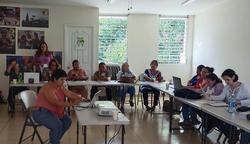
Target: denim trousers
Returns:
[146, 90]
[57, 126]
[187, 111]
[245, 137]
[123, 92]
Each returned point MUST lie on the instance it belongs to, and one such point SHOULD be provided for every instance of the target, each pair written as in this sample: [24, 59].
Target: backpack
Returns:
[166, 105]
[187, 93]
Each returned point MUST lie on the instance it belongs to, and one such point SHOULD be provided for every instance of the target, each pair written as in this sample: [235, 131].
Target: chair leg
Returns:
[35, 131]
[218, 139]
[142, 101]
[24, 126]
[224, 139]
[33, 135]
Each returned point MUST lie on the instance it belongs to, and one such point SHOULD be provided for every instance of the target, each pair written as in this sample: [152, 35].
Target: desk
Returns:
[90, 117]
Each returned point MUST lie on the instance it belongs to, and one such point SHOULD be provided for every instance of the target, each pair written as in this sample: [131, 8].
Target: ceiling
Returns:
[163, 7]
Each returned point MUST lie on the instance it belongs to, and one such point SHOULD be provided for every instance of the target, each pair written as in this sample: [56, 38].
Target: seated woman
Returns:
[151, 75]
[124, 89]
[47, 72]
[13, 71]
[78, 74]
[242, 95]
[49, 109]
[186, 108]
[197, 77]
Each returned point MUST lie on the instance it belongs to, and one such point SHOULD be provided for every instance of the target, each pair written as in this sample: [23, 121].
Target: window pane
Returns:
[172, 40]
[113, 39]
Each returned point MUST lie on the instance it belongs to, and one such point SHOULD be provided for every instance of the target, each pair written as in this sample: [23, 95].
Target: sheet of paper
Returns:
[80, 81]
[219, 104]
[44, 66]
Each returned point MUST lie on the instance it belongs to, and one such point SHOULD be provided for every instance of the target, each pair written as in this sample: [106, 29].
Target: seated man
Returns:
[101, 75]
[13, 71]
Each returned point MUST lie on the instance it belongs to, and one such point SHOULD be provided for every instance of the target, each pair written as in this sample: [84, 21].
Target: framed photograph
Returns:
[9, 16]
[58, 56]
[25, 62]
[30, 39]
[35, 17]
[7, 40]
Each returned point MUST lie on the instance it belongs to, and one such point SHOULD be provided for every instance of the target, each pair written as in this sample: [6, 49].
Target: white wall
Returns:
[143, 40]
[54, 35]
[221, 38]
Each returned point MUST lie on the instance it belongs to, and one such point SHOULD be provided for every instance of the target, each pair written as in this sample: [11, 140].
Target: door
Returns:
[78, 45]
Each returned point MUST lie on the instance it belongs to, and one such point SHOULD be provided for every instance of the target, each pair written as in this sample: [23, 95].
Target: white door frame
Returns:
[93, 45]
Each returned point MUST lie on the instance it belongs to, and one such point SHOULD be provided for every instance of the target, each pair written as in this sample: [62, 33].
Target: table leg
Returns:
[202, 126]
[151, 100]
[77, 132]
[85, 135]
[171, 114]
[105, 134]
[231, 134]
[12, 99]
[68, 107]
[123, 132]
[205, 132]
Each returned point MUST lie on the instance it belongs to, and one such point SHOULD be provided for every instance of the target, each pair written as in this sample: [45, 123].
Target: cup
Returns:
[109, 78]
[14, 81]
[170, 81]
[115, 115]
[167, 85]
[154, 79]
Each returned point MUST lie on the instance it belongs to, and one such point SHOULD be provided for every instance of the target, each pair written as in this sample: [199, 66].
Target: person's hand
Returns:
[86, 100]
[152, 80]
[13, 63]
[237, 102]
[16, 66]
[75, 102]
[41, 64]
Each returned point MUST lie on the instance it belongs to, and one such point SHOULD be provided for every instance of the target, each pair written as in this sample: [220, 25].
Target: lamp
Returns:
[110, 1]
[187, 2]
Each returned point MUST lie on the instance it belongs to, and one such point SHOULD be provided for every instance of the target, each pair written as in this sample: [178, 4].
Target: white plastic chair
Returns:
[28, 98]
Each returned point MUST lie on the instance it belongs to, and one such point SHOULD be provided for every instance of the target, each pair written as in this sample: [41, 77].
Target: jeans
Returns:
[131, 91]
[95, 89]
[245, 137]
[188, 110]
[57, 126]
[146, 90]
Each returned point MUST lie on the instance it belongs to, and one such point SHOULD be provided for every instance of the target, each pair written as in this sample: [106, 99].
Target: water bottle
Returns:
[20, 78]
[231, 104]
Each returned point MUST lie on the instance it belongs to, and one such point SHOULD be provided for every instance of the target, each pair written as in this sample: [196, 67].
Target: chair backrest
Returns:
[28, 98]
[141, 77]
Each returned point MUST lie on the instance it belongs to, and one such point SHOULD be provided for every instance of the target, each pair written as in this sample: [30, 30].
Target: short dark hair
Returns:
[230, 73]
[58, 73]
[101, 63]
[213, 77]
[200, 67]
[74, 61]
[12, 59]
[154, 61]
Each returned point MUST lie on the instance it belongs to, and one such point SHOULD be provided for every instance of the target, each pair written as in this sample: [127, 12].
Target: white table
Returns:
[89, 116]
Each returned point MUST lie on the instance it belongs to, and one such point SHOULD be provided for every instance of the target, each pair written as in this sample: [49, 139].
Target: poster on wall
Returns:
[9, 16]
[7, 40]
[58, 56]
[30, 39]
[35, 17]
[25, 62]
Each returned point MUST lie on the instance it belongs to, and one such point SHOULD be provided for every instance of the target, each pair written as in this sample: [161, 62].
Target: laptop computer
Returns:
[177, 83]
[89, 104]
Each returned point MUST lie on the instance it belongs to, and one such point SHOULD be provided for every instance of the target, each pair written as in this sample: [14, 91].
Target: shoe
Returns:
[176, 112]
[148, 108]
[197, 123]
[185, 123]
[153, 108]
[131, 103]
[122, 110]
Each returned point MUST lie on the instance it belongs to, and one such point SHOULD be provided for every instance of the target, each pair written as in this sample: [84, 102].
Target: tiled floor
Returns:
[143, 129]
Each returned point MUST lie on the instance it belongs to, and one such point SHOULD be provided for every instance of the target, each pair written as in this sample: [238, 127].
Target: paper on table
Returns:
[44, 66]
[80, 81]
[219, 104]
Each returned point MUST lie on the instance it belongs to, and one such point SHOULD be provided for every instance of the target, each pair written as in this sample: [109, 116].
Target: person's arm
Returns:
[9, 41]
[246, 100]
[221, 97]
[147, 77]
[51, 97]
[96, 78]
[85, 75]
[35, 61]
[7, 72]
[218, 88]
[71, 95]
[69, 75]
[118, 75]
[133, 75]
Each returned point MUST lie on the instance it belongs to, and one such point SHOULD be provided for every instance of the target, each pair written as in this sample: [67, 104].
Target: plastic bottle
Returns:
[231, 104]
[20, 78]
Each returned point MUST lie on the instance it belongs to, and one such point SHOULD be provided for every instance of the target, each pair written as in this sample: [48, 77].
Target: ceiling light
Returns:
[110, 1]
[187, 2]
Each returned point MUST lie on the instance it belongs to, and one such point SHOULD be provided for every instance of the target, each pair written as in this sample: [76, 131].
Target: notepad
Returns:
[219, 104]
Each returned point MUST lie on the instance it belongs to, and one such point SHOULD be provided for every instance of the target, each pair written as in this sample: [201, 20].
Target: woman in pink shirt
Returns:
[78, 74]
[42, 57]
[49, 109]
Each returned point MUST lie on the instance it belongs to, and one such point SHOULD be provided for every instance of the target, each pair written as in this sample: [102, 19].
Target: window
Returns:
[172, 40]
[113, 39]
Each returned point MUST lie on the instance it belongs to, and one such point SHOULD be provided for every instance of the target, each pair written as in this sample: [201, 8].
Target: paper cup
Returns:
[115, 115]
[14, 81]
[167, 85]
[170, 81]
[109, 78]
